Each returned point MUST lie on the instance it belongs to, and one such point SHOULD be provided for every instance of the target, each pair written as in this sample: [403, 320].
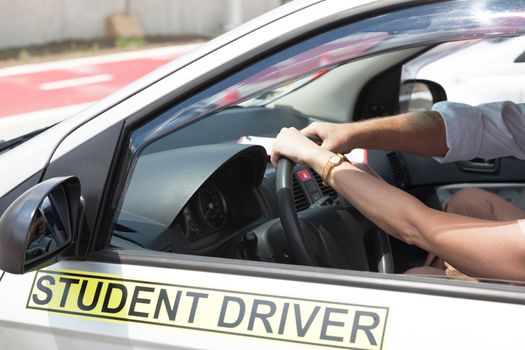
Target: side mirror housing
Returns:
[41, 226]
[419, 94]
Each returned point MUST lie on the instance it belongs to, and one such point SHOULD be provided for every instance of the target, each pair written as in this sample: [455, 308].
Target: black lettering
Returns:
[260, 315]
[107, 298]
[196, 297]
[164, 299]
[301, 330]
[284, 316]
[327, 322]
[240, 316]
[40, 286]
[367, 329]
[94, 302]
[68, 282]
[136, 300]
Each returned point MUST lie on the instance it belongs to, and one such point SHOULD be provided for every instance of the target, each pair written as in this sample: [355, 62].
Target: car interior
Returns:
[209, 189]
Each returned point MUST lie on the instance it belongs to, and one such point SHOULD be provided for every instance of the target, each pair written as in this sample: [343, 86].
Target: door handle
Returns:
[478, 165]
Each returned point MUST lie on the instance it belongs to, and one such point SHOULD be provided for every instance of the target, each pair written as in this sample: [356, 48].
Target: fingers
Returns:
[276, 154]
[329, 136]
[289, 143]
[316, 132]
[311, 130]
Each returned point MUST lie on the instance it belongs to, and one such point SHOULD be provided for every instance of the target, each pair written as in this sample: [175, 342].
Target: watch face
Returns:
[335, 159]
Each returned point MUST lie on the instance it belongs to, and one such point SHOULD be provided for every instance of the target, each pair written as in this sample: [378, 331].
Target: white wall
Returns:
[29, 22]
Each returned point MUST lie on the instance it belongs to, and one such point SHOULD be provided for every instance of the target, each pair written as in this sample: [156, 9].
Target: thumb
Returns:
[327, 144]
[310, 130]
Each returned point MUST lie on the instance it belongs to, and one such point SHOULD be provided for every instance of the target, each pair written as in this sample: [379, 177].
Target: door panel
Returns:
[219, 311]
[434, 183]
[426, 171]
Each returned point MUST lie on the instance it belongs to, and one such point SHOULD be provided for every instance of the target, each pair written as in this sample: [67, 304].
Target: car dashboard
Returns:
[203, 206]
[189, 200]
[223, 206]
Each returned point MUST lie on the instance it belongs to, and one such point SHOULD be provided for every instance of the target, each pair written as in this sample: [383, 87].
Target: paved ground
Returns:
[45, 92]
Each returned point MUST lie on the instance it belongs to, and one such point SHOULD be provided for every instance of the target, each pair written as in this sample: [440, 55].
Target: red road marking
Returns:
[21, 93]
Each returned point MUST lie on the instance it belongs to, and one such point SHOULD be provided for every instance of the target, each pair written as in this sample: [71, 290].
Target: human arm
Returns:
[476, 247]
[425, 130]
[451, 132]
[480, 248]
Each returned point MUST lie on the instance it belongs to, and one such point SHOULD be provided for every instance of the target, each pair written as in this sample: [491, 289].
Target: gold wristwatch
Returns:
[332, 162]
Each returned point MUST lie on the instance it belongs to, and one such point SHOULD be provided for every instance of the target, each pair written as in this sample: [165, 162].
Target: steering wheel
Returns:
[304, 239]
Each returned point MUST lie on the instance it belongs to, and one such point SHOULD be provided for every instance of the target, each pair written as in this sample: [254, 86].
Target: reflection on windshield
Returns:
[270, 96]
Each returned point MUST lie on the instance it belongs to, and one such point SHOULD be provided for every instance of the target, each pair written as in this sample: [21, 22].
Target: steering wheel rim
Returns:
[290, 223]
[288, 214]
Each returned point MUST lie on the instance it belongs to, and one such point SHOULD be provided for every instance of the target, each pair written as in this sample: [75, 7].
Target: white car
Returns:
[154, 219]
[484, 71]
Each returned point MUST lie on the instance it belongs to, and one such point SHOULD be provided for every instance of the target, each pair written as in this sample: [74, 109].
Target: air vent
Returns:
[299, 197]
[122, 228]
[325, 190]
[168, 249]
[398, 169]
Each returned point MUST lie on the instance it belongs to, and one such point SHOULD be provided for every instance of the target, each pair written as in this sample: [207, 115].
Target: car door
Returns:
[127, 292]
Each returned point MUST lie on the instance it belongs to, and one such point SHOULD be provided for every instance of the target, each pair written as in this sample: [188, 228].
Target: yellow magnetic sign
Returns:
[108, 297]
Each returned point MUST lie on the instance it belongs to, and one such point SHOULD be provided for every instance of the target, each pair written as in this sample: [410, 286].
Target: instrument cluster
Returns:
[205, 214]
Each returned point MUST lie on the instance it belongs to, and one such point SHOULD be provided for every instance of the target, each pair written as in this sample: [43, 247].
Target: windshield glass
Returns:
[428, 24]
[6, 145]
[273, 95]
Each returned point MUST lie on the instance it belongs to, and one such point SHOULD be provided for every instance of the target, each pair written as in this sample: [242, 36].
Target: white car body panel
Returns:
[411, 320]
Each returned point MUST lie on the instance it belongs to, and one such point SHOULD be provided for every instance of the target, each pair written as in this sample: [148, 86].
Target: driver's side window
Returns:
[200, 177]
[200, 181]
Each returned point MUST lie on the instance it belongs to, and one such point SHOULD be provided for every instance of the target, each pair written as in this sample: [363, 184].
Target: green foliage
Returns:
[95, 47]
[24, 54]
[123, 42]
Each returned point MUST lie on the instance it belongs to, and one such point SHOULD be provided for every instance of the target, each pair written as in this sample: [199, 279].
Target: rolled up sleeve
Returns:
[485, 131]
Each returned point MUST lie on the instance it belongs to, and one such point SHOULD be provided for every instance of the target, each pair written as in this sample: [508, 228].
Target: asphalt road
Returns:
[41, 94]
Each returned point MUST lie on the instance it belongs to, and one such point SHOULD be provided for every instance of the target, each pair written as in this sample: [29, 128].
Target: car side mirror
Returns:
[41, 226]
[419, 95]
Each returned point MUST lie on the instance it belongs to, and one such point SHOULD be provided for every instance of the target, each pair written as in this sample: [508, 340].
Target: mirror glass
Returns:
[46, 232]
[415, 96]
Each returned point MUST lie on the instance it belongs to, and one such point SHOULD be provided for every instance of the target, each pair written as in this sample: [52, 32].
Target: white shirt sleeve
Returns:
[486, 131]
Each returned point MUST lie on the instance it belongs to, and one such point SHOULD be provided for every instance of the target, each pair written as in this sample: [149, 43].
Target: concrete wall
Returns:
[30, 22]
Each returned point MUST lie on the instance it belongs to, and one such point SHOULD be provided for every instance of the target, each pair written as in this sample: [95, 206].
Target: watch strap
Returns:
[330, 164]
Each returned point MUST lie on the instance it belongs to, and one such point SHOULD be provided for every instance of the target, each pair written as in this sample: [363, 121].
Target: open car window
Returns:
[194, 188]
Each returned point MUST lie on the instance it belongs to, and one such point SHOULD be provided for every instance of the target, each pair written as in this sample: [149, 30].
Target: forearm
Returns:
[479, 248]
[388, 207]
[374, 198]
[420, 133]
[476, 247]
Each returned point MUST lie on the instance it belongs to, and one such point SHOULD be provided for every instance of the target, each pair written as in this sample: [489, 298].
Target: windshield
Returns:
[273, 95]
[6, 145]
